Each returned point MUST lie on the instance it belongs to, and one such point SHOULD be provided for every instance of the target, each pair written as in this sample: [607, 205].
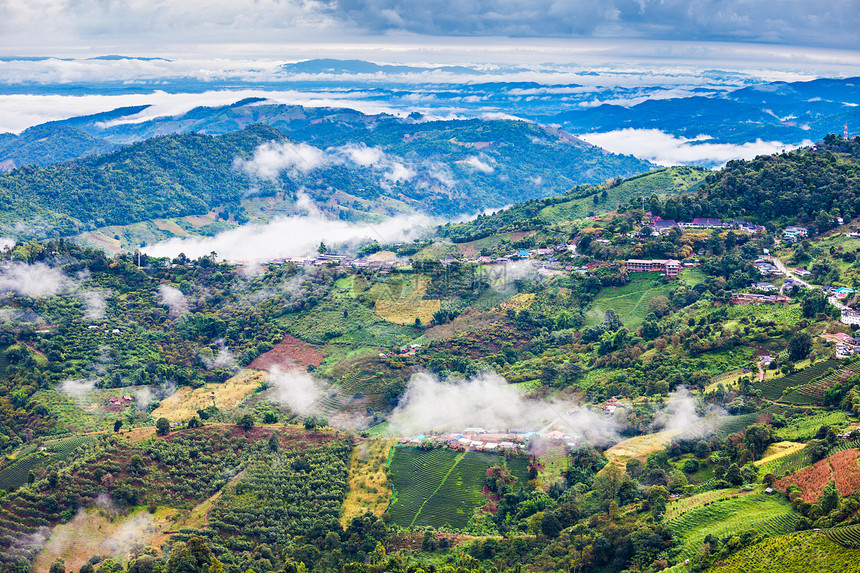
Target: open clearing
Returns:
[185, 402]
[369, 489]
[639, 447]
[630, 302]
[100, 531]
[779, 450]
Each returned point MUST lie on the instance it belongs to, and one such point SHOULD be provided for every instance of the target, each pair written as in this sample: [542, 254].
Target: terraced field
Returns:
[802, 552]
[440, 487]
[768, 514]
[676, 509]
[775, 388]
[846, 536]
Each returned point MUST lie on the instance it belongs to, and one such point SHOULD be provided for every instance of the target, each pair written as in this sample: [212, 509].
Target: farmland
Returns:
[629, 302]
[775, 388]
[440, 487]
[801, 552]
[368, 487]
[184, 404]
[841, 467]
[721, 518]
[782, 458]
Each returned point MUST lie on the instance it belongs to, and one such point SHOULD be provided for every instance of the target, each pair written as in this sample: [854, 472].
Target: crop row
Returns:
[846, 536]
[789, 463]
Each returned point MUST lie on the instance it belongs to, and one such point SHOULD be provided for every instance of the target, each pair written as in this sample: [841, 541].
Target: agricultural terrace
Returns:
[402, 301]
[800, 552]
[777, 451]
[639, 447]
[442, 488]
[842, 467]
[289, 353]
[769, 514]
[804, 427]
[678, 507]
[184, 403]
[630, 302]
[846, 536]
[101, 530]
[31, 459]
[368, 488]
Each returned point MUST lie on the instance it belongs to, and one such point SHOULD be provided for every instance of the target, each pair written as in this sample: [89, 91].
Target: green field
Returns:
[775, 388]
[629, 302]
[803, 552]
[441, 487]
[804, 427]
[768, 514]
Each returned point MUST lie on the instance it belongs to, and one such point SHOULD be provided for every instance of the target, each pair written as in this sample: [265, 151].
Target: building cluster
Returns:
[755, 298]
[660, 226]
[670, 267]
[846, 345]
[793, 233]
[482, 440]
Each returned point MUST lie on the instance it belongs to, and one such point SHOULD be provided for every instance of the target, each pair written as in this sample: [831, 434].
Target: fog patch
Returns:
[224, 359]
[488, 401]
[34, 281]
[173, 298]
[478, 165]
[270, 159]
[667, 149]
[95, 303]
[296, 236]
[6, 243]
[77, 390]
[300, 391]
[143, 397]
[681, 414]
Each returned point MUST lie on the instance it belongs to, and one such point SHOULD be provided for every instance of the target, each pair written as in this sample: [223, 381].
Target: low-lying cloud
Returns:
[300, 391]
[667, 149]
[173, 298]
[290, 237]
[34, 281]
[270, 159]
[488, 401]
[681, 414]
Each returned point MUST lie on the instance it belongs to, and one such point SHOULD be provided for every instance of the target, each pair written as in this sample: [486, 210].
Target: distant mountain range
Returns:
[351, 165]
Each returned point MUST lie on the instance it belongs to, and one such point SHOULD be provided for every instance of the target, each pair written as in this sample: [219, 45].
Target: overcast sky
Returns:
[237, 27]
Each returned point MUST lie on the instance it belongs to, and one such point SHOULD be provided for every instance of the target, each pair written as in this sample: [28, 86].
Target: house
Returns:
[671, 267]
[801, 272]
[767, 287]
[662, 226]
[792, 233]
[843, 292]
[850, 317]
[522, 254]
[705, 223]
[766, 268]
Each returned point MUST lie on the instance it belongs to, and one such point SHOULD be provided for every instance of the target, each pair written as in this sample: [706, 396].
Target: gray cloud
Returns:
[780, 21]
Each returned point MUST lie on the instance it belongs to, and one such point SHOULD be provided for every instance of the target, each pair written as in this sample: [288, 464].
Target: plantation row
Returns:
[774, 389]
[846, 536]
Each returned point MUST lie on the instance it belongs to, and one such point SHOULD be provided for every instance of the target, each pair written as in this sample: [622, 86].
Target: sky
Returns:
[234, 28]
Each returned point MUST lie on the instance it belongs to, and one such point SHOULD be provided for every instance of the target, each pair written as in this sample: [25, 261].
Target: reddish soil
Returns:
[412, 541]
[843, 468]
[289, 353]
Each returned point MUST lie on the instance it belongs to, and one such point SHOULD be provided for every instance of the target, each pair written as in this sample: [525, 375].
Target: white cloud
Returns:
[289, 237]
[478, 165]
[362, 155]
[270, 159]
[667, 149]
[173, 298]
[35, 281]
[299, 390]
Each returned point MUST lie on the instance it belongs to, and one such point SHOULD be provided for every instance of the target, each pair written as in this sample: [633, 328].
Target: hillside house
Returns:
[670, 267]
[792, 233]
[705, 223]
[766, 287]
[661, 226]
[766, 268]
[850, 317]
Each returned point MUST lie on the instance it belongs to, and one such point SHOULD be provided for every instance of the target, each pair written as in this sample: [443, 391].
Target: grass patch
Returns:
[629, 302]
[368, 488]
[185, 402]
[800, 552]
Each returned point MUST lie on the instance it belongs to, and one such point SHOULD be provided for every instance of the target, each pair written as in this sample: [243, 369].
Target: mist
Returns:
[680, 414]
[95, 304]
[35, 281]
[173, 298]
[296, 236]
[77, 390]
[298, 390]
[488, 401]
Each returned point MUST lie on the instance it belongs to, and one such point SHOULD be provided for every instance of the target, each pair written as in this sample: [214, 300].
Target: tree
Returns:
[194, 422]
[611, 322]
[799, 346]
[162, 426]
[829, 498]
[733, 475]
[58, 566]
[322, 249]
[246, 421]
[117, 425]
[550, 526]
